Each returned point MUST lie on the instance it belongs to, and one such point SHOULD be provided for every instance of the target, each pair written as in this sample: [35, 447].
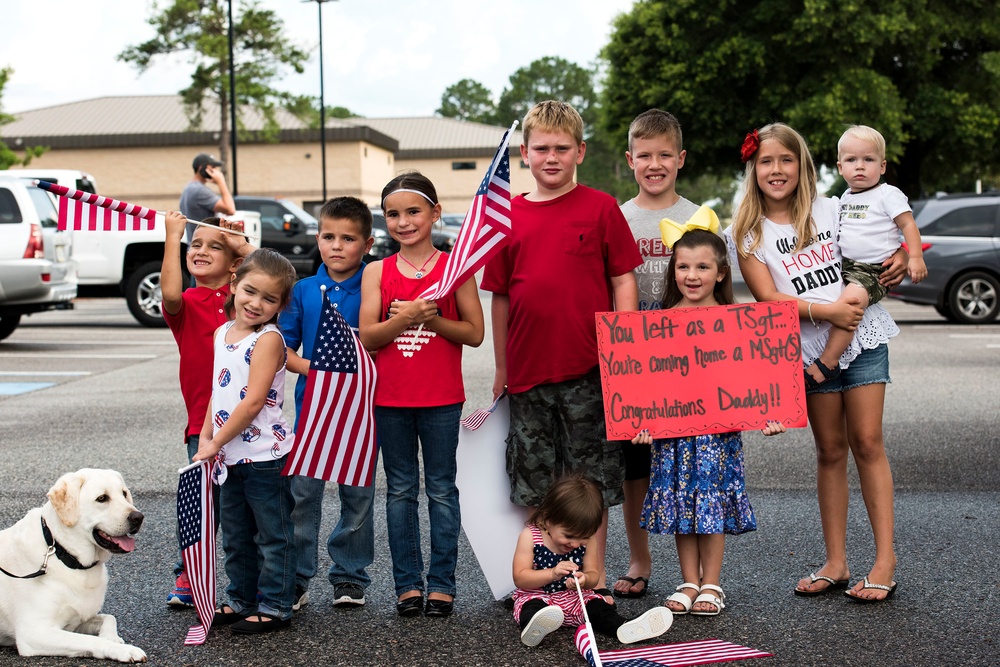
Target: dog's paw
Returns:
[126, 653]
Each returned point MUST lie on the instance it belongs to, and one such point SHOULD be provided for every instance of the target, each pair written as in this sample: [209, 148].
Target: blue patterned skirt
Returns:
[697, 486]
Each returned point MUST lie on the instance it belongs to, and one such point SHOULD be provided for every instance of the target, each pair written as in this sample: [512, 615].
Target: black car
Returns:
[961, 239]
[286, 228]
[442, 236]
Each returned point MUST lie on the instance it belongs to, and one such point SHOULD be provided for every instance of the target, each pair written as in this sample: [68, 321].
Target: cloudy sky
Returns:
[382, 58]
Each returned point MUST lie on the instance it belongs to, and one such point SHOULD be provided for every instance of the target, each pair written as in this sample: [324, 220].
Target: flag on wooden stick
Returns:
[86, 211]
[486, 228]
[335, 439]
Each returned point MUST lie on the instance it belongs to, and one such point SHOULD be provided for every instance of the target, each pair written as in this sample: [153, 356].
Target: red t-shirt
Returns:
[556, 270]
[202, 312]
[417, 370]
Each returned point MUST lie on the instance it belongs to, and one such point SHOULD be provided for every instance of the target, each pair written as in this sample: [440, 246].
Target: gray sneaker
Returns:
[348, 595]
[301, 598]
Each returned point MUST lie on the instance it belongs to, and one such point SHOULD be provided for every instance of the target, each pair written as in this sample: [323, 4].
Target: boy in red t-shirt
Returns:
[193, 315]
[570, 255]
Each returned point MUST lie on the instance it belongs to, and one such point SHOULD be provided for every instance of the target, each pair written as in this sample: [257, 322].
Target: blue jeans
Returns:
[352, 542]
[437, 429]
[257, 516]
[192, 449]
[869, 367]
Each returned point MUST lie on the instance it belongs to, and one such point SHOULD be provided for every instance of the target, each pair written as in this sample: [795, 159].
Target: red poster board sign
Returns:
[692, 371]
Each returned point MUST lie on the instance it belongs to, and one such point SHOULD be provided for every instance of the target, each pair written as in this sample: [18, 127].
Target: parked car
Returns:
[286, 228]
[36, 272]
[453, 221]
[442, 237]
[961, 239]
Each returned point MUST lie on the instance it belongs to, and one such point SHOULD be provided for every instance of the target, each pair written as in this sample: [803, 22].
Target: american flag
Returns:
[476, 419]
[85, 211]
[681, 654]
[335, 439]
[196, 525]
[486, 227]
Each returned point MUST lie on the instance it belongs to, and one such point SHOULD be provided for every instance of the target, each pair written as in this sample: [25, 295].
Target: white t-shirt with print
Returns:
[868, 230]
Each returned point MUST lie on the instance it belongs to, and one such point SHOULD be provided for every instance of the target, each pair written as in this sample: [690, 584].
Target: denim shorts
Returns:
[869, 367]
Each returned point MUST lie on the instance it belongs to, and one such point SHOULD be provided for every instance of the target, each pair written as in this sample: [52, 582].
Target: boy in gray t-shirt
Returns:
[655, 154]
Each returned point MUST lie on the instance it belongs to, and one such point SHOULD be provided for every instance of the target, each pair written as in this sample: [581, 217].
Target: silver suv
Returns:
[961, 238]
[36, 272]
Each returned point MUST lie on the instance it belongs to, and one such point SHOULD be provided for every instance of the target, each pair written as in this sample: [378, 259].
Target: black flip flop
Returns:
[835, 585]
[632, 582]
[828, 374]
[890, 591]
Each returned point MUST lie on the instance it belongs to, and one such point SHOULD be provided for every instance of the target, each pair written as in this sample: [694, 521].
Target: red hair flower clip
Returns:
[750, 145]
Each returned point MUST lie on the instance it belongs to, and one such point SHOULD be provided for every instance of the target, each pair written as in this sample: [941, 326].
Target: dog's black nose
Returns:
[134, 521]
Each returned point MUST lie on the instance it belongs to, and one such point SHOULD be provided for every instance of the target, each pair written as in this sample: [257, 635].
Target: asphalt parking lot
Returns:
[90, 388]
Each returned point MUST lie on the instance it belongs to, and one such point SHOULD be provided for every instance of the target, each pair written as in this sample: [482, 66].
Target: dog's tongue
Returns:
[126, 542]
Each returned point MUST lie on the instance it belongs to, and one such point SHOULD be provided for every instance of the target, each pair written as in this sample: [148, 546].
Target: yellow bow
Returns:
[704, 218]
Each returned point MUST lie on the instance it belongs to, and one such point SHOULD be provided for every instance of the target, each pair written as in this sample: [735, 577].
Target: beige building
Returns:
[139, 149]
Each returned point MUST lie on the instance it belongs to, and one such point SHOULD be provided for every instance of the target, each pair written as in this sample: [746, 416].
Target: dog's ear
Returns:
[65, 498]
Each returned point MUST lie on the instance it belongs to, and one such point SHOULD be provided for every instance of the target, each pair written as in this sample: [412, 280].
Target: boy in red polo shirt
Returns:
[193, 315]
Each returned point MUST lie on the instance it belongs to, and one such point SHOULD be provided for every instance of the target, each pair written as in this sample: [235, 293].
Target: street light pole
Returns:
[322, 100]
[232, 99]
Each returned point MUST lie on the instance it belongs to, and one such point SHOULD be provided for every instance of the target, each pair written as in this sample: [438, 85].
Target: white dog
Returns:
[53, 580]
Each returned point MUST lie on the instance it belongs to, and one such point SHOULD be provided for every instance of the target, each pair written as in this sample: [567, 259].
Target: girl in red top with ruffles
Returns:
[419, 395]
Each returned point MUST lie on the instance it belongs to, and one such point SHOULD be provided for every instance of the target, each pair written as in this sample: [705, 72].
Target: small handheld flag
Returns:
[486, 228]
[196, 527]
[79, 210]
[335, 439]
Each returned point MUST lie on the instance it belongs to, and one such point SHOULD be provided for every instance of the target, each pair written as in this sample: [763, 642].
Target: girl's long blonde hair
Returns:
[753, 207]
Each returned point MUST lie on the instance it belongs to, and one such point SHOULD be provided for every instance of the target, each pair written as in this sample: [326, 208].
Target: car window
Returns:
[271, 214]
[10, 212]
[965, 221]
[86, 185]
[46, 209]
[378, 222]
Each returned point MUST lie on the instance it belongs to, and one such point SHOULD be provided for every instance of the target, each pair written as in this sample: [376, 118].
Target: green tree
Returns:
[468, 100]
[549, 78]
[262, 53]
[926, 74]
[9, 158]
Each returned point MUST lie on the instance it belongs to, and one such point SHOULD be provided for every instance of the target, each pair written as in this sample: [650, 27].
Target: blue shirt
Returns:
[300, 319]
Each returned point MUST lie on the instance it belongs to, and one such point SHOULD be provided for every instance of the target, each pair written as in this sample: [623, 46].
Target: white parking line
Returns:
[52, 355]
[971, 336]
[46, 373]
[97, 342]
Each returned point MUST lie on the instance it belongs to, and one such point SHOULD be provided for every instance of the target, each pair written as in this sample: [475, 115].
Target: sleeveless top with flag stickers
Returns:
[268, 436]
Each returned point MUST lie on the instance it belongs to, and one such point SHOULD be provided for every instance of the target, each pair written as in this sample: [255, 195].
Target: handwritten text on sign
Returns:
[691, 371]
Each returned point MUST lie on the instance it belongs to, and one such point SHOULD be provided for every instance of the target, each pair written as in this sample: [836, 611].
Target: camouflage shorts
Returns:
[558, 429]
[866, 276]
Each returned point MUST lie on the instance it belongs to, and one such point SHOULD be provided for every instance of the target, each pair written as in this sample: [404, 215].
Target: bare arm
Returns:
[268, 355]
[499, 311]
[171, 276]
[296, 363]
[625, 291]
[915, 267]
[895, 268]
[375, 333]
[225, 205]
[470, 327]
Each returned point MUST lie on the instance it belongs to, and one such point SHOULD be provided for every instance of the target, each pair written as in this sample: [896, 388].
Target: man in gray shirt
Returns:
[198, 201]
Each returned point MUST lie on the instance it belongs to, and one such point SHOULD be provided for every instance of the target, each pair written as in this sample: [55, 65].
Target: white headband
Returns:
[416, 192]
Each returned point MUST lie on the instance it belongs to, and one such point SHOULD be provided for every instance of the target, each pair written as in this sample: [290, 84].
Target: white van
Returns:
[128, 261]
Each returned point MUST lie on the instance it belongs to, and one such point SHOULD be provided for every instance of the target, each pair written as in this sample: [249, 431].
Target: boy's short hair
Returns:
[655, 123]
[553, 116]
[869, 135]
[348, 208]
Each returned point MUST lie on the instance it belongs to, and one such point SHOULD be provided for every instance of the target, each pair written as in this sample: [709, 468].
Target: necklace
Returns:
[420, 271]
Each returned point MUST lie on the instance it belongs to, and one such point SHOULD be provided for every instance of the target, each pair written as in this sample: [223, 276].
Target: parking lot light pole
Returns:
[322, 101]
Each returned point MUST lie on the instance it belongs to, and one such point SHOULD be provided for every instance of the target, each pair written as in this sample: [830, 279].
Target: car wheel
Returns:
[142, 293]
[8, 323]
[974, 298]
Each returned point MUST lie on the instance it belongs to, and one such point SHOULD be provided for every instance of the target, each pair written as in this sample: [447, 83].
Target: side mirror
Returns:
[291, 224]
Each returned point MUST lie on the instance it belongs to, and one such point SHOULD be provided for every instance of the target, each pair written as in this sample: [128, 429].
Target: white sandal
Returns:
[682, 599]
[711, 599]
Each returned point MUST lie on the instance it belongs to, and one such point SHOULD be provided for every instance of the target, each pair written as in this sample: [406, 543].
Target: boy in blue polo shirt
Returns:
[345, 236]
